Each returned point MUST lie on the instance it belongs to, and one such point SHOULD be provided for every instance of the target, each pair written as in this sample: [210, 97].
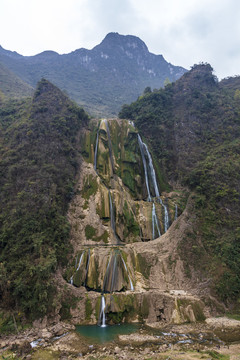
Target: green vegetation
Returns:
[217, 356]
[88, 308]
[38, 165]
[131, 226]
[193, 128]
[68, 301]
[90, 232]
[143, 266]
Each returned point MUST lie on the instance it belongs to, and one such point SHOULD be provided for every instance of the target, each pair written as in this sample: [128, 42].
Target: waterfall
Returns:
[109, 145]
[131, 284]
[88, 260]
[166, 218]
[131, 123]
[76, 261]
[80, 260]
[176, 212]
[95, 152]
[113, 273]
[141, 146]
[102, 317]
[79, 264]
[155, 223]
[152, 171]
[106, 274]
[112, 217]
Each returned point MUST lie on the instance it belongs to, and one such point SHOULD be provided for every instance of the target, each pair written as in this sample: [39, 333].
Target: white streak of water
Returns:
[80, 261]
[112, 217]
[109, 144]
[141, 147]
[106, 274]
[102, 312]
[130, 281]
[155, 223]
[95, 152]
[131, 123]
[152, 171]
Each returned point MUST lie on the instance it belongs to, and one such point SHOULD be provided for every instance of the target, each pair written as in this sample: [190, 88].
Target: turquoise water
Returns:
[99, 334]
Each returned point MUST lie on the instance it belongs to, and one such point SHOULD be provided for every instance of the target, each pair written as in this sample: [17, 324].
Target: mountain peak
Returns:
[45, 90]
[114, 39]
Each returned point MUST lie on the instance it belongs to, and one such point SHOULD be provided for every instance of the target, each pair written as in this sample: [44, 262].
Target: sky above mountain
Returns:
[185, 32]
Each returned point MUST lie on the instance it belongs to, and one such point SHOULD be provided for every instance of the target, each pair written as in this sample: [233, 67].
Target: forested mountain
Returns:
[165, 186]
[193, 126]
[39, 159]
[102, 79]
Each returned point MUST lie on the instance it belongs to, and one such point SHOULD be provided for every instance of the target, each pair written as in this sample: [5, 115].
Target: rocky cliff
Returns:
[118, 251]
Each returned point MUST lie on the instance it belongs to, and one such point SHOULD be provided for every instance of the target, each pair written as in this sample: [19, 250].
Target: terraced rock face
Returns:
[116, 221]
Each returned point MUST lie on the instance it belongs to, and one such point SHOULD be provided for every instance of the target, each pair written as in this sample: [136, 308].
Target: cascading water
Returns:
[113, 273]
[141, 146]
[131, 123]
[117, 277]
[87, 267]
[107, 274]
[152, 171]
[130, 281]
[155, 224]
[166, 218]
[77, 267]
[109, 145]
[80, 261]
[102, 317]
[112, 217]
[96, 151]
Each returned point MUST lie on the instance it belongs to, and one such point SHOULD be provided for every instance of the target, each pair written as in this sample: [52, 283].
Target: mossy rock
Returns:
[90, 187]
[143, 266]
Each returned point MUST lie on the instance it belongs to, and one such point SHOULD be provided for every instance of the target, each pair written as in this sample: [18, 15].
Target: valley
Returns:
[122, 220]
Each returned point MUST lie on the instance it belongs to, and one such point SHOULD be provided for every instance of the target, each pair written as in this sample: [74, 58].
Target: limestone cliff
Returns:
[126, 233]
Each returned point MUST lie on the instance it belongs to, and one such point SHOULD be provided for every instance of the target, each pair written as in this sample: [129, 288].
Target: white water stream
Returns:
[102, 312]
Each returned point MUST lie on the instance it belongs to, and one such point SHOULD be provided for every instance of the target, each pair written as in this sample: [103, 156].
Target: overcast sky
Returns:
[185, 32]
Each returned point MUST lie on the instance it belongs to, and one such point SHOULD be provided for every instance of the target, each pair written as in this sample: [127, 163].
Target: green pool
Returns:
[98, 334]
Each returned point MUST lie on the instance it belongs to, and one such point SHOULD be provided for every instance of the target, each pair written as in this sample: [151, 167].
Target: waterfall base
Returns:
[98, 334]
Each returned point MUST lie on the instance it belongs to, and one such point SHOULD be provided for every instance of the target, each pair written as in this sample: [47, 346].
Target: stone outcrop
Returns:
[112, 235]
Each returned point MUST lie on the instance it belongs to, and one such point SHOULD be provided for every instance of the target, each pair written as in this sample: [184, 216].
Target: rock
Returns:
[117, 350]
[45, 334]
[23, 348]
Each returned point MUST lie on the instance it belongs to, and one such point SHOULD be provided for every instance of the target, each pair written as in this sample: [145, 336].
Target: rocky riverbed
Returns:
[216, 338]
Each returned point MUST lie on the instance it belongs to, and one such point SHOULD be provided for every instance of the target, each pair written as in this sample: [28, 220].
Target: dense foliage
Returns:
[194, 128]
[38, 165]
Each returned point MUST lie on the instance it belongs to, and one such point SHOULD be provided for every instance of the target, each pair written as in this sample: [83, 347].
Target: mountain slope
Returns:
[194, 128]
[38, 163]
[102, 79]
[11, 86]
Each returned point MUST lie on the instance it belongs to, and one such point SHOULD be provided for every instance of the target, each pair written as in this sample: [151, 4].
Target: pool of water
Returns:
[99, 334]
